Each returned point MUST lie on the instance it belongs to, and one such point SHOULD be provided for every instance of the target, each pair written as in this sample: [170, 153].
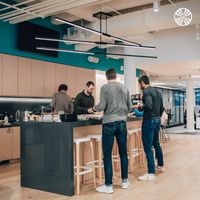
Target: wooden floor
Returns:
[181, 181]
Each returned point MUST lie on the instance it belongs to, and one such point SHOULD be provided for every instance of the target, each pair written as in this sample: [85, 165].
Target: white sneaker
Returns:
[105, 189]
[160, 168]
[125, 185]
[147, 177]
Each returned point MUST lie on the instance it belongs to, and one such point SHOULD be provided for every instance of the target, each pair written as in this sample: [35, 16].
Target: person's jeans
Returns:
[110, 130]
[150, 137]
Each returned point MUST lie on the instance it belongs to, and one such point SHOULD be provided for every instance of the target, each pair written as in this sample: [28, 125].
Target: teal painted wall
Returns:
[8, 35]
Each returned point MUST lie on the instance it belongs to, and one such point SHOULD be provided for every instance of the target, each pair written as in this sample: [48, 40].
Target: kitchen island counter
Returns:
[47, 153]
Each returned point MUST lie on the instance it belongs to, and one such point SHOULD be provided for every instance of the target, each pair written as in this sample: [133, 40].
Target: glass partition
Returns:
[173, 101]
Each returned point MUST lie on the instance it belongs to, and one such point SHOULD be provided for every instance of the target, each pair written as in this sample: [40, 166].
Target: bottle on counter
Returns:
[17, 116]
[6, 119]
[26, 115]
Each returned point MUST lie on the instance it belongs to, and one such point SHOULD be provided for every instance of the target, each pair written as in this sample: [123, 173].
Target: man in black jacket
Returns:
[84, 101]
[153, 109]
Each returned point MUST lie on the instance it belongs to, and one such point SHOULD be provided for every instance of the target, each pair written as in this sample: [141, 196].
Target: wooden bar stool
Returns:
[133, 146]
[79, 169]
[98, 161]
[135, 150]
[141, 149]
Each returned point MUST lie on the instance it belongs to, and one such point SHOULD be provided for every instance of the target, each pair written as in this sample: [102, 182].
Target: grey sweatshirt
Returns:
[62, 102]
[115, 101]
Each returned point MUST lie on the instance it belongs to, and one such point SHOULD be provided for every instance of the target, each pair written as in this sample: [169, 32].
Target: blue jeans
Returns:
[110, 130]
[150, 137]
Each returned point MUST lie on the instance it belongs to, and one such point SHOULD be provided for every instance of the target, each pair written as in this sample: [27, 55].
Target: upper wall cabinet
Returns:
[27, 77]
[37, 78]
[9, 76]
[61, 75]
[49, 79]
[24, 76]
[83, 76]
[1, 68]
[72, 81]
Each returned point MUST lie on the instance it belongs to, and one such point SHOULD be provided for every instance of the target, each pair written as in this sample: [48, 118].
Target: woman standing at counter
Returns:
[61, 101]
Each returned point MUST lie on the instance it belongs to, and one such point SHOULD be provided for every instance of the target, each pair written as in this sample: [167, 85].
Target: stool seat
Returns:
[132, 131]
[97, 137]
[80, 140]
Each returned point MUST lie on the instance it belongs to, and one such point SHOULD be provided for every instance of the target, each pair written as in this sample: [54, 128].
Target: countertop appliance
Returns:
[68, 117]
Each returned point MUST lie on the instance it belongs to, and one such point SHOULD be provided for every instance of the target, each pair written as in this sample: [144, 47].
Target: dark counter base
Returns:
[47, 158]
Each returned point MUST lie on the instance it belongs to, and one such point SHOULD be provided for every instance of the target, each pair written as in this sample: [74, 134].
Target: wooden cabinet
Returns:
[1, 71]
[72, 81]
[83, 76]
[61, 75]
[9, 76]
[33, 78]
[24, 76]
[5, 143]
[49, 79]
[82, 79]
[9, 143]
[37, 78]
[15, 143]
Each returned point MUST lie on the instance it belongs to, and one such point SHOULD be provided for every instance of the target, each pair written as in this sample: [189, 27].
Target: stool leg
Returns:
[74, 148]
[141, 149]
[138, 148]
[113, 164]
[92, 155]
[114, 153]
[83, 159]
[130, 146]
[78, 168]
[100, 162]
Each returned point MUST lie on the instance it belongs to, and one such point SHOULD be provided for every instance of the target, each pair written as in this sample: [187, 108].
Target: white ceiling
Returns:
[86, 11]
[174, 69]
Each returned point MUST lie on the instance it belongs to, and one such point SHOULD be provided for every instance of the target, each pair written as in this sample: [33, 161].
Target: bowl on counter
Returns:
[90, 117]
[68, 117]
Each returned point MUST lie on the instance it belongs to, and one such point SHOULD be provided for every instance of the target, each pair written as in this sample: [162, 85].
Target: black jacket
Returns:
[152, 103]
[83, 103]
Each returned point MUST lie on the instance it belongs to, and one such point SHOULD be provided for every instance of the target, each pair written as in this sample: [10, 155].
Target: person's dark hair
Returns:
[111, 74]
[89, 83]
[62, 87]
[144, 79]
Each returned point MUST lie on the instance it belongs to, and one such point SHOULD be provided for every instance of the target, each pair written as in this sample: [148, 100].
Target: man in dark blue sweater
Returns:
[153, 109]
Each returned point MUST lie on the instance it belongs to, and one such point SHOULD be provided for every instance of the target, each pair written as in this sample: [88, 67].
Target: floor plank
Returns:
[181, 181]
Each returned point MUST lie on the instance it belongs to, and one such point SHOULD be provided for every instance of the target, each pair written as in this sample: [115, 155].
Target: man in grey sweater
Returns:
[116, 103]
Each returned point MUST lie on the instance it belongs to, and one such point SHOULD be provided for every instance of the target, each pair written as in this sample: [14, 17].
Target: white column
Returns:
[130, 79]
[190, 105]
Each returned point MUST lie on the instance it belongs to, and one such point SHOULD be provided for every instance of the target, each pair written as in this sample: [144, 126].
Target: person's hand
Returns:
[91, 111]
[135, 106]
